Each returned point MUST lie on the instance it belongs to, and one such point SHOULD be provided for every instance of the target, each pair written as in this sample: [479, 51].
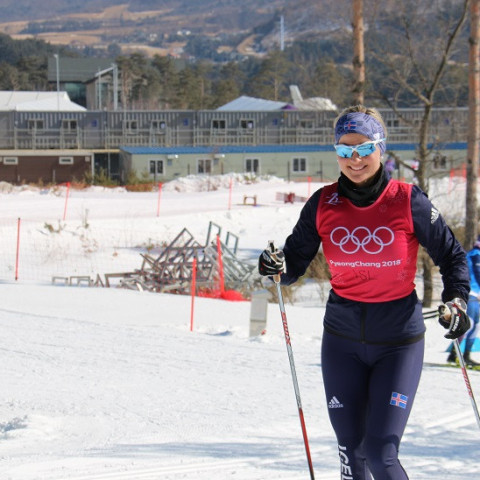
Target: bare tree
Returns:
[414, 72]
[418, 71]
[473, 125]
[358, 90]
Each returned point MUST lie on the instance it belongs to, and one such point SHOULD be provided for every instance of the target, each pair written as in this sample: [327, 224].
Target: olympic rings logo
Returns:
[362, 238]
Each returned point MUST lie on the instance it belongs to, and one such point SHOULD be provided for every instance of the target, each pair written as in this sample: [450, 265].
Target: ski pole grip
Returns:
[271, 246]
[445, 312]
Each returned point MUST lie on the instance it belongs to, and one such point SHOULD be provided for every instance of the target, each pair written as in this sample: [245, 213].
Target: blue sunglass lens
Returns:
[363, 150]
[343, 151]
[367, 149]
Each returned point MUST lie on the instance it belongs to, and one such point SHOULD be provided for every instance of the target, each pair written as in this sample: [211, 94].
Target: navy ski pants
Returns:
[370, 391]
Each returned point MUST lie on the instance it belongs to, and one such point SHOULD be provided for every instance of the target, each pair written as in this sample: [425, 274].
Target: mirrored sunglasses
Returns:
[363, 150]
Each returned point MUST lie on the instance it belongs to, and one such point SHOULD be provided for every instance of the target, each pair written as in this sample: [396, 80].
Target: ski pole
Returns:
[467, 380]
[276, 279]
[456, 344]
[430, 314]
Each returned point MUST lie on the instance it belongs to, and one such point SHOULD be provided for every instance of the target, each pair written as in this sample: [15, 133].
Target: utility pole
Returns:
[57, 61]
[282, 34]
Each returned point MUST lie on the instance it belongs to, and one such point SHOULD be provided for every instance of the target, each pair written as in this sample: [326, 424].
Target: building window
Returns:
[158, 126]
[156, 167]
[252, 165]
[131, 126]
[35, 124]
[204, 165]
[439, 162]
[393, 123]
[10, 160]
[306, 124]
[299, 165]
[65, 160]
[219, 125]
[69, 125]
[247, 125]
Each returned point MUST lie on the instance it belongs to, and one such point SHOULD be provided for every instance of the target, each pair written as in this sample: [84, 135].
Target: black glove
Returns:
[271, 263]
[453, 317]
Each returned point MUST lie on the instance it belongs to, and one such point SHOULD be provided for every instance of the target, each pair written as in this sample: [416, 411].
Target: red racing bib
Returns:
[371, 251]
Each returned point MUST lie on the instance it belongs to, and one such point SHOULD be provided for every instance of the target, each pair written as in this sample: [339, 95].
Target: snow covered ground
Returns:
[104, 384]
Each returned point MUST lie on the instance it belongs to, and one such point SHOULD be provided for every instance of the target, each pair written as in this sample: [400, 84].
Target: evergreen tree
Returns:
[329, 82]
[270, 81]
[133, 79]
[9, 77]
[169, 81]
[228, 86]
[194, 87]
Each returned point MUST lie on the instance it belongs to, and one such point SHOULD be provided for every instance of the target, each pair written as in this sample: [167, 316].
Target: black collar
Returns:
[363, 196]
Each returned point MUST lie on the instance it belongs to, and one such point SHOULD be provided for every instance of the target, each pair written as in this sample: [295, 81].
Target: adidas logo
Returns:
[334, 403]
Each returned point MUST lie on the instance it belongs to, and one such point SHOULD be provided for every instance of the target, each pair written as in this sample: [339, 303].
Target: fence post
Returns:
[193, 291]
[258, 312]
[18, 249]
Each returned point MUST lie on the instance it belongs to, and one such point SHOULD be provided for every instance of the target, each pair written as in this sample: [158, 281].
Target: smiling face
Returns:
[359, 170]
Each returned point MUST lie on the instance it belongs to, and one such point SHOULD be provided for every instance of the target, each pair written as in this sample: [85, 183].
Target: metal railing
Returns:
[113, 138]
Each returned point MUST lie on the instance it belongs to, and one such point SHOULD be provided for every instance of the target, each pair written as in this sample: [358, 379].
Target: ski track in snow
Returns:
[232, 468]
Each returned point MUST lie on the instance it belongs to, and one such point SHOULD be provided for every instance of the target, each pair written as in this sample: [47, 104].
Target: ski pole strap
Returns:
[271, 246]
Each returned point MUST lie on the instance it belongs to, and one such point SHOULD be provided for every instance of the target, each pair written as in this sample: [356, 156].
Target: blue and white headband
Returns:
[357, 122]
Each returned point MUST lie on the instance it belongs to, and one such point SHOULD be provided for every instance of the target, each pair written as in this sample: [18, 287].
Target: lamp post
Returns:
[58, 79]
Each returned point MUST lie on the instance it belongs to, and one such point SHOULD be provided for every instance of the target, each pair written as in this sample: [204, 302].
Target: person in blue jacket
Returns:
[473, 307]
[370, 228]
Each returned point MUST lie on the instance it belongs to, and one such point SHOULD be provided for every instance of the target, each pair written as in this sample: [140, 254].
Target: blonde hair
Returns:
[373, 112]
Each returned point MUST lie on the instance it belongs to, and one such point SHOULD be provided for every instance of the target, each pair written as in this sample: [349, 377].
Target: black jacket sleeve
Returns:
[303, 243]
[446, 252]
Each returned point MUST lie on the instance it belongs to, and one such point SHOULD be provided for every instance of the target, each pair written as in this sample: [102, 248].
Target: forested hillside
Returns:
[199, 55]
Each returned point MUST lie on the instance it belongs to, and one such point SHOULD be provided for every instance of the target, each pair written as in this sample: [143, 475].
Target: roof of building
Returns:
[313, 103]
[251, 104]
[37, 101]
[76, 70]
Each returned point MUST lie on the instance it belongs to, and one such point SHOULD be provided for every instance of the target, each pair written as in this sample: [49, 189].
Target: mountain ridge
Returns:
[150, 23]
